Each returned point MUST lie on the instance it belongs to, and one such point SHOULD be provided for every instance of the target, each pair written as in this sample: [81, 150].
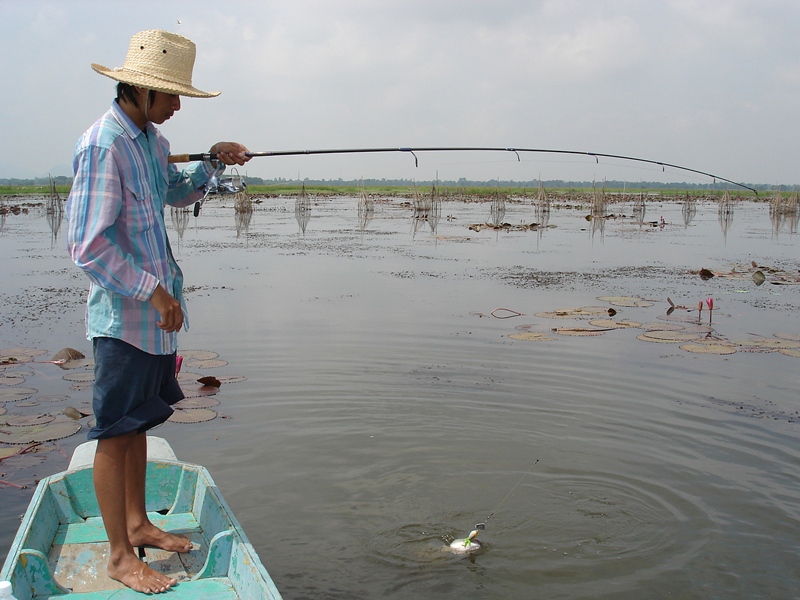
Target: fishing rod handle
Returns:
[182, 158]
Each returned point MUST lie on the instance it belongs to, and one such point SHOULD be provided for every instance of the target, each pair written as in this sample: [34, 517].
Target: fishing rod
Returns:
[181, 158]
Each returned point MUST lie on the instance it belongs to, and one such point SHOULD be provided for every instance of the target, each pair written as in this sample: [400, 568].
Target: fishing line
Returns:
[525, 474]
[178, 158]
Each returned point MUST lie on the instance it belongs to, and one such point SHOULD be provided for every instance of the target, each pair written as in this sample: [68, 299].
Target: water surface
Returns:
[386, 411]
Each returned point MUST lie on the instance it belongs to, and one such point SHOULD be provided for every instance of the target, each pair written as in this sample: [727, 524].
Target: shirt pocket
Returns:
[139, 206]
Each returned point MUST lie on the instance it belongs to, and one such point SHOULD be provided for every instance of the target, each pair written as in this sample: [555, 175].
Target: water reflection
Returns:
[542, 210]
[639, 209]
[688, 210]
[54, 210]
[785, 213]
[725, 212]
[598, 214]
[180, 220]
[366, 209]
[497, 213]
[302, 209]
[427, 209]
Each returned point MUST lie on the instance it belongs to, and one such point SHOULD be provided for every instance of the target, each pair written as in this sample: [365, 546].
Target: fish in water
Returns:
[465, 545]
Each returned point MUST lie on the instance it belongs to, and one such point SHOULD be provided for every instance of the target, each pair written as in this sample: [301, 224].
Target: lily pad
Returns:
[193, 415]
[198, 354]
[232, 378]
[6, 452]
[206, 364]
[55, 430]
[53, 398]
[16, 393]
[210, 380]
[561, 313]
[3, 410]
[593, 310]
[188, 376]
[81, 363]
[714, 348]
[790, 352]
[793, 337]
[73, 413]
[197, 390]
[663, 327]
[777, 344]
[82, 376]
[577, 331]
[28, 420]
[628, 301]
[668, 337]
[612, 324]
[11, 380]
[532, 336]
[205, 402]
[67, 354]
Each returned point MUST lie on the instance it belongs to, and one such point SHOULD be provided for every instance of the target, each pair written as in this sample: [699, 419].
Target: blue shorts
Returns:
[133, 390]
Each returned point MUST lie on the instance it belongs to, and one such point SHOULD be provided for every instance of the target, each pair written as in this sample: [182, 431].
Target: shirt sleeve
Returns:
[186, 185]
[94, 205]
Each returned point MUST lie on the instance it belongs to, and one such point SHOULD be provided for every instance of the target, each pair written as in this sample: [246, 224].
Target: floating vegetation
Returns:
[197, 402]
[612, 324]
[626, 301]
[23, 431]
[668, 336]
[577, 331]
[28, 420]
[532, 336]
[756, 273]
[687, 331]
[198, 354]
[59, 428]
[15, 394]
[211, 363]
[709, 348]
[192, 415]
[81, 377]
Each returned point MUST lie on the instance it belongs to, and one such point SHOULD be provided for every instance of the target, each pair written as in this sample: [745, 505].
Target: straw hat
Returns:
[158, 60]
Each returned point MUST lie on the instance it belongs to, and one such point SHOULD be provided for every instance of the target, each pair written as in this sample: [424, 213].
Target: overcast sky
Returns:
[713, 85]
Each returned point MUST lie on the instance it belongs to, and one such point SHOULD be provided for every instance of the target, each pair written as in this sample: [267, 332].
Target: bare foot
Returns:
[150, 535]
[132, 572]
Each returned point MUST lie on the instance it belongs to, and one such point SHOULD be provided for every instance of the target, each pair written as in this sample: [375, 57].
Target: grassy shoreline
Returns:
[444, 192]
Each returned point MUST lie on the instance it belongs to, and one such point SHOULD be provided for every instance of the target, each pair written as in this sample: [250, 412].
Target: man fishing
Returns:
[117, 235]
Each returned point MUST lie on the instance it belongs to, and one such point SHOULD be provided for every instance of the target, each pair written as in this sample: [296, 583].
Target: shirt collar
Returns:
[128, 126]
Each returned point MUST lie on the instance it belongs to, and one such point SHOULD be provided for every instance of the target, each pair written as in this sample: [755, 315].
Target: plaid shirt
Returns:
[116, 231]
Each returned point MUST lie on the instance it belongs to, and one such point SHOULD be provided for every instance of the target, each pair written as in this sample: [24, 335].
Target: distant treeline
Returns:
[63, 180]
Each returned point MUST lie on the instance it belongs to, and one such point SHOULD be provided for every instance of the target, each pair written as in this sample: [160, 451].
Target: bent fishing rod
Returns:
[181, 158]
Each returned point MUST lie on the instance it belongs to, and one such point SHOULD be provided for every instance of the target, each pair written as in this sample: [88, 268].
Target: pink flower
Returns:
[700, 306]
[710, 302]
[178, 363]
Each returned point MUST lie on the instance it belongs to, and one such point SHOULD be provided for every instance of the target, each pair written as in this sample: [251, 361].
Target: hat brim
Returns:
[152, 83]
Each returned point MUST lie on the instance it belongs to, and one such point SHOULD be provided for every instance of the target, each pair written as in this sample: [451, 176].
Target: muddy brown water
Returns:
[386, 411]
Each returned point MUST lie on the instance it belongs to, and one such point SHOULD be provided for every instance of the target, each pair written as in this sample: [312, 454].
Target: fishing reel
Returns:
[232, 184]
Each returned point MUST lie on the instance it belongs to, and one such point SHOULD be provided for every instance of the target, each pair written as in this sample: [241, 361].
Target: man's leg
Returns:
[110, 484]
[141, 532]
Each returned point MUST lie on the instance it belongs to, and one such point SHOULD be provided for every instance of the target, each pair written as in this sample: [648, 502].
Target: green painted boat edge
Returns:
[229, 543]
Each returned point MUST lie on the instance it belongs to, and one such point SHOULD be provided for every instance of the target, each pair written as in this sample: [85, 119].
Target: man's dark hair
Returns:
[127, 92]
